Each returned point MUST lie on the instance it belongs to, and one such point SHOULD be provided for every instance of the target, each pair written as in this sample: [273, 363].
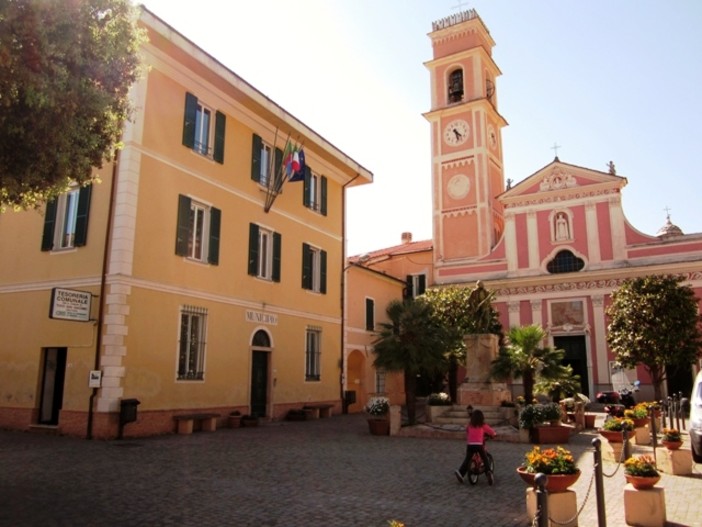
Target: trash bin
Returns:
[127, 413]
[350, 396]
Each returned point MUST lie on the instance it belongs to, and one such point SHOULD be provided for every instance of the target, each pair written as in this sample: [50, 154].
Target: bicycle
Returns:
[477, 467]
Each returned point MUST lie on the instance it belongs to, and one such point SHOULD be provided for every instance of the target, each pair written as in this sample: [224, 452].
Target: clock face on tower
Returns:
[458, 186]
[456, 132]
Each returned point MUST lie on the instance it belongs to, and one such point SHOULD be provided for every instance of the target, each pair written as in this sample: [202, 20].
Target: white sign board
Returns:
[68, 304]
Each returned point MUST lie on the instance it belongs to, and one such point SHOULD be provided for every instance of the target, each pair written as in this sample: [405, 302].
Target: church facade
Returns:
[552, 247]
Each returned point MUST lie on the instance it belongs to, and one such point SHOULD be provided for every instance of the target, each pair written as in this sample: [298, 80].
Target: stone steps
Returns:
[458, 414]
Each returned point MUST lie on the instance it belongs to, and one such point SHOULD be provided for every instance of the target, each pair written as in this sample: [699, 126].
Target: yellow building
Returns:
[184, 280]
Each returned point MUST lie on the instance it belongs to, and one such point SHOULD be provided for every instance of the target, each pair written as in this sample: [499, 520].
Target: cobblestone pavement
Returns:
[328, 472]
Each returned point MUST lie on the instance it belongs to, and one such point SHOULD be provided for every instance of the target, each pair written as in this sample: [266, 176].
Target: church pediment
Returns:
[560, 181]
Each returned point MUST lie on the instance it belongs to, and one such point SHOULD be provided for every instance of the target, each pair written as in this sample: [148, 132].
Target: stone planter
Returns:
[590, 420]
[248, 421]
[545, 434]
[434, 411]
[234, 421]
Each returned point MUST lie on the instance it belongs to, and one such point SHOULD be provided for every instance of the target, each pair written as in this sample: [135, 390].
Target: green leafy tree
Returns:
[654, 321]
[452, 307]
[524, 357]
[65, 70]
[414, 342]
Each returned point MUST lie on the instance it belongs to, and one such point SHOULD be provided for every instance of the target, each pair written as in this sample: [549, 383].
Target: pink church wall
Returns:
[525, 314]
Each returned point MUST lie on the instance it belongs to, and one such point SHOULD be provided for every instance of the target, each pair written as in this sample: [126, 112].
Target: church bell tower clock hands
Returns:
[456, 132]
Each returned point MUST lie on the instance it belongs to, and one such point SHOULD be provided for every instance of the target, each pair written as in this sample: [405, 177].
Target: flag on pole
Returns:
[288, 158]
[298, 165]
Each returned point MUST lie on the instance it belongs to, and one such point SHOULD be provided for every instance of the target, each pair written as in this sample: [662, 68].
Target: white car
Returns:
[696, 419]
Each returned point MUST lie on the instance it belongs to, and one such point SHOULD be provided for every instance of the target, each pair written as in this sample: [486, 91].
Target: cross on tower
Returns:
[460, 4]
[667, 212]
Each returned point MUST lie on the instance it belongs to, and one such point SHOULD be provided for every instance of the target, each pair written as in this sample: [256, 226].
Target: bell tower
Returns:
[467, 167]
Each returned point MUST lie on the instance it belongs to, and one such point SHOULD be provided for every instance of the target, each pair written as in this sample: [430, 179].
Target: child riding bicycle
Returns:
[476, 431]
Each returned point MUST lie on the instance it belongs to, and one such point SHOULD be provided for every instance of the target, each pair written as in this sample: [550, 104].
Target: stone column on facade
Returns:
[536, 316]
[510, 242]
[478, 389]
[593, 234]
[616, 220]
[600, 341]
[514, 313]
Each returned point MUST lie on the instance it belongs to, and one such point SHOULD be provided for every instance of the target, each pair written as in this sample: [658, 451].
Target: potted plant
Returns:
[378, 408]
[638, 414]
[671, 438]
[543, 422]
[234, 419]
[557, 463]
[641, 472]
[614, 427]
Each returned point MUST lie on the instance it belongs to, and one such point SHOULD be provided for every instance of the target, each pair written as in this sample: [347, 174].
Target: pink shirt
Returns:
[476, 435]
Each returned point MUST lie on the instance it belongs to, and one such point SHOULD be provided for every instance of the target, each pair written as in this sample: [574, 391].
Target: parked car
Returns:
[696, 419]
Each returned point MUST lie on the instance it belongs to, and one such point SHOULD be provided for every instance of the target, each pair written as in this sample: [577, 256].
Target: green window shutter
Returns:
[277, 245]
[253, 249]
[189, 120]
[306, 187]
[323, 273]
[422, 285]
[256, 146]
[215, 223]
[183, 228]
[409, 288]
[323, 196]
[82, 215]
[370, 314]
[47, 238]
[277, 170]
[306, 266]
[220, 126]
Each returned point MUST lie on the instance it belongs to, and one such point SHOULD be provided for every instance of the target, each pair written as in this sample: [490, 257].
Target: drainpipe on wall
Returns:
[101, 298]
[342, 360]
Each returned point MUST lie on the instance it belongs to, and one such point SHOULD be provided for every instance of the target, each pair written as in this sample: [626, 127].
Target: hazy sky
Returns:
[606, 80]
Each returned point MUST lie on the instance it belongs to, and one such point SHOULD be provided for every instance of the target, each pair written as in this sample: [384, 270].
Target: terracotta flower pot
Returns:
[642, 482]
[555, 483]
[640, 422]
[378, 426]
[672, 445]
[613, 436]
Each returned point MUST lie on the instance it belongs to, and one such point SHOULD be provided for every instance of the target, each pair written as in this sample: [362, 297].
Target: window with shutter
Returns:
[264, 253]
[199, 129]
[370, 314]
[198, 231]
[315, 192]
[314, 269]
[66, 220]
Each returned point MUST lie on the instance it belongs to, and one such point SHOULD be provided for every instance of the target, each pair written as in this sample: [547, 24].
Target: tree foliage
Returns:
[413, 341]
[453, 308]
[65, 70]
[654, 321]
[525, 358]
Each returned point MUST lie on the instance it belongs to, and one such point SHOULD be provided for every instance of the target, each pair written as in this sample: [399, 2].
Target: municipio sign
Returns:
[69, 304]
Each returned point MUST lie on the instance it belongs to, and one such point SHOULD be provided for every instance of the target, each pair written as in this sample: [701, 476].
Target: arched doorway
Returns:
[260, 358]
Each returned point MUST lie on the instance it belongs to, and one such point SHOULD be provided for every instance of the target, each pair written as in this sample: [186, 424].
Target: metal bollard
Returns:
[627, 445]
[541, 499]
[599, 483]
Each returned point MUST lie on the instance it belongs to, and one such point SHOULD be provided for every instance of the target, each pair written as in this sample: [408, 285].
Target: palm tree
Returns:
[412, 341]
[524, 357]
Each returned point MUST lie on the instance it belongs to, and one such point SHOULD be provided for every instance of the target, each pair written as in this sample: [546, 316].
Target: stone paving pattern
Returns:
[327, 472]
